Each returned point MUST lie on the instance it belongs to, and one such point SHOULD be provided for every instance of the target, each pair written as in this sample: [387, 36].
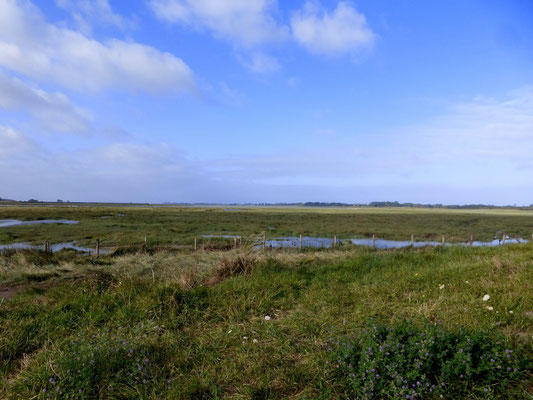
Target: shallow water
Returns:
[53, 247]
[220, 236]
[288, 242]
[4, 223]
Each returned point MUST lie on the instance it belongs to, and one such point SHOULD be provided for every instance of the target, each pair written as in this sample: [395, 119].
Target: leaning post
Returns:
[97, 248]
[300, 245]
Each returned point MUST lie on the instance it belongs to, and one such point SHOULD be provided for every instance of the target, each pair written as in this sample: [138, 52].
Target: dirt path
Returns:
[6, 292]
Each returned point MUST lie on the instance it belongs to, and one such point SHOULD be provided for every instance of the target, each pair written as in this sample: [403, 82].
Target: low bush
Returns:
[407, 361]
[117, 364]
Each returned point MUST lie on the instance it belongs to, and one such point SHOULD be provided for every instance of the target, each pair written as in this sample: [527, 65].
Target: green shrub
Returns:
[407, 362]
[121, 364]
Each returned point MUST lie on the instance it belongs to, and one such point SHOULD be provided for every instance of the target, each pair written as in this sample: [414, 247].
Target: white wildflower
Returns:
[245, 337]
[441, 287]
[255, 340]
[486, 297]
[231, 330]
[267, 317]
[467, 282]
[511, 312]
[490, 308]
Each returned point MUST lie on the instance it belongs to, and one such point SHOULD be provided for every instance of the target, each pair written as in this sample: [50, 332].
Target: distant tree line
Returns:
[438, 205]
[408, 205]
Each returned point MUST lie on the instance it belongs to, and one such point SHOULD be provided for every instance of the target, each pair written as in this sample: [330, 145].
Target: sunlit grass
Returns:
[126, 226]
[210, 339]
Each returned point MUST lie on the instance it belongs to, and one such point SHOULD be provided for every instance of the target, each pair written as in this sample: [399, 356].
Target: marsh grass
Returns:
[208, 339]
[175, 226]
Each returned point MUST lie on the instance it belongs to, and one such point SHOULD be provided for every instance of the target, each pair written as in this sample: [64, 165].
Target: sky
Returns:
[263, 101]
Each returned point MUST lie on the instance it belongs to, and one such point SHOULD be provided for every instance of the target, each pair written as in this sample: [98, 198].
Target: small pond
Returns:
[5, 223]
[53, 247]
[315, 242]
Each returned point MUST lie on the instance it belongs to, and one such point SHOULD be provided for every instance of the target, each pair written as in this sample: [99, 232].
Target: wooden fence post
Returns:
[97, 248]
[443, 240]
[412, 240]
[145, 243]
[300, 245]
[335, 240]
[503, 239]
[194, 244]
[374, 241]
[264, 241]
[471, 240]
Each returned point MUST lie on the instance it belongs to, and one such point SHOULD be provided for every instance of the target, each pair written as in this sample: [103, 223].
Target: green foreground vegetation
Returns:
[125, 226]
[223, 322]
[277, 324]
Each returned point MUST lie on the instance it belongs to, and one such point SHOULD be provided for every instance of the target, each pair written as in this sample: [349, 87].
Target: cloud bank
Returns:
[478, 151]
[32, 47]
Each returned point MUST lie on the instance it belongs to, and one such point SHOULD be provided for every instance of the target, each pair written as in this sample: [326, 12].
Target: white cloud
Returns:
[243, 22]
[12, 143]
[261, 63]
[31, 46]
[343, 31]
[54, 111]
[89, 12]
[483, 130]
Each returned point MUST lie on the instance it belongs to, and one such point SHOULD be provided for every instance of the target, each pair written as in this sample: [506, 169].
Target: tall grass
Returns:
[205, 338]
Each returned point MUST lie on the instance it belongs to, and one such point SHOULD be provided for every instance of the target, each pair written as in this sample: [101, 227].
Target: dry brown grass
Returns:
[235, 264]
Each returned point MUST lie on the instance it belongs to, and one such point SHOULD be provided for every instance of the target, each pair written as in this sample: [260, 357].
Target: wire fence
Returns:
[258, 242]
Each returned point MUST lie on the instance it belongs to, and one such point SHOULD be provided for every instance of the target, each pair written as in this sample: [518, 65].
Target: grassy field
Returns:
[171, 225]
[246, 324]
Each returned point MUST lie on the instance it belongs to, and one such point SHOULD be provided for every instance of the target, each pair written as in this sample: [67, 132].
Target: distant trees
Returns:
[323, 204]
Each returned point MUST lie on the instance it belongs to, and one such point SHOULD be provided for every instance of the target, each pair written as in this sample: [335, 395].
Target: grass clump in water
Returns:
[405, 361]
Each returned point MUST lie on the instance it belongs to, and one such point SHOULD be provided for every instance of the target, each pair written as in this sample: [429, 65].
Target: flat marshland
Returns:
[177, 225]
[349, 322]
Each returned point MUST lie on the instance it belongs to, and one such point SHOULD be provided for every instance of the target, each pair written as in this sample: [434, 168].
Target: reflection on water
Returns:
[4, 223]
[53, 247]
[307, 241]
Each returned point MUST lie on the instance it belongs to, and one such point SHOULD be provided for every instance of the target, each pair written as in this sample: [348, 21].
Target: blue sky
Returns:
[267, 101]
